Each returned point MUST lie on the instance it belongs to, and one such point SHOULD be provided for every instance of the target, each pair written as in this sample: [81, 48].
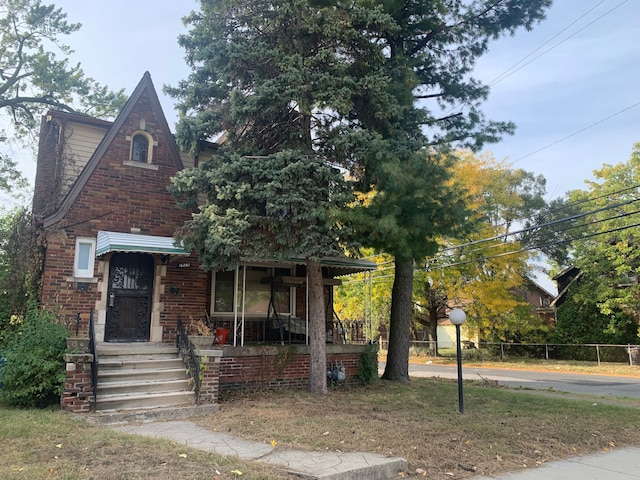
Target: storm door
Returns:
[129, 297]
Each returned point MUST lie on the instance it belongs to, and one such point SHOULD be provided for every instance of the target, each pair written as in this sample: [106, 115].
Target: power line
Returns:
[570, 227]
[513, 252]
[537, 247]
[544, 225]
[504, 75]
[510, 70]
[547, 224]
[576, 132]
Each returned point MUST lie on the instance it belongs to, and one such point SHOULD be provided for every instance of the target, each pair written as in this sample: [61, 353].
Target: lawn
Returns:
[501, 430]
[46, 444]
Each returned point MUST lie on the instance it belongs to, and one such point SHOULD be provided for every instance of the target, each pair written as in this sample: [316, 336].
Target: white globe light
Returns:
[457, 316]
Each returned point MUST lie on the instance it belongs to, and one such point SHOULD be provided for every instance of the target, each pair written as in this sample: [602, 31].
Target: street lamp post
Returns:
[457, 317]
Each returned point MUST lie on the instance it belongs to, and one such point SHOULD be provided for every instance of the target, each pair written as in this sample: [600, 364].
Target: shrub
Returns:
[34, 372]
[368, 364]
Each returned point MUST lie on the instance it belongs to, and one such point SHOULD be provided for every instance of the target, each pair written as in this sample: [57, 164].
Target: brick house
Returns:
[107, 223]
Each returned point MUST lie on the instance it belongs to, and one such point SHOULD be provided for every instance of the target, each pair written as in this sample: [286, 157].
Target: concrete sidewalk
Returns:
[308, 465]
[621, 464]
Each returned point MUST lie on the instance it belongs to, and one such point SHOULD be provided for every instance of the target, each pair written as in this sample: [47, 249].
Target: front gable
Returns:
[116, 175]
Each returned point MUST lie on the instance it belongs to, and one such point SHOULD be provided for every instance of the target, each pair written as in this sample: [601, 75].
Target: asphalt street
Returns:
[587, 384]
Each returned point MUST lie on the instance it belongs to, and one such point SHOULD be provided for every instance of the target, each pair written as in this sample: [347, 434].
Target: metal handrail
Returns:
[94, 351]
[188, 354]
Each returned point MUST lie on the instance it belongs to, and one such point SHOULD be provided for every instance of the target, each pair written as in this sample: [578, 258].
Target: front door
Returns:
[129, 297]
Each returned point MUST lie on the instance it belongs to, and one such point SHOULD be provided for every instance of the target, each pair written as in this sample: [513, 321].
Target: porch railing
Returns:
[188, 354]
[93, 351]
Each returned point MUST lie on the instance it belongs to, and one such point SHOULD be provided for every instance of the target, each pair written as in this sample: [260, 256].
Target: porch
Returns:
[147, 380]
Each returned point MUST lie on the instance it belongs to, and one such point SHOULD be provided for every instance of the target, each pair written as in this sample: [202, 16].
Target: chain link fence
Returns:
[592, 352]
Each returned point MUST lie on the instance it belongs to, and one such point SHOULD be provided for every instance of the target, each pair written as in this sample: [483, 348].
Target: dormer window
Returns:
[141, 148]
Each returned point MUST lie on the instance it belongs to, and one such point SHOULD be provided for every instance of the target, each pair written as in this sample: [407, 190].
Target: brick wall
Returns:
[255, 368]
[78, 390]
[121, 197]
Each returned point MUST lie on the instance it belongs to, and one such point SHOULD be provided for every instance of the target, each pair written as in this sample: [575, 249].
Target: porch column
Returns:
[210, 381]
[78, 390]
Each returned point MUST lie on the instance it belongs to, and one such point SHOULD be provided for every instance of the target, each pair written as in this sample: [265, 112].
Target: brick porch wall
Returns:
[259, 367]
[78, 389]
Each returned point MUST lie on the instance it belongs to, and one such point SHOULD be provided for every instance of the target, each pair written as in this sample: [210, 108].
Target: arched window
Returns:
[140, 148]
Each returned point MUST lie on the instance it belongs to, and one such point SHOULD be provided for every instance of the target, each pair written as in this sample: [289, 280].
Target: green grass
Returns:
[501, 430]
[46, 444]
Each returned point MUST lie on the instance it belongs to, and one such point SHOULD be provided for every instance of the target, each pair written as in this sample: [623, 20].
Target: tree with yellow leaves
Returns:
[483, 272]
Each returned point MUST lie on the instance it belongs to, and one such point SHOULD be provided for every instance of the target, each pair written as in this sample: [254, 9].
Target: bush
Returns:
[34, 372]
[368, 364]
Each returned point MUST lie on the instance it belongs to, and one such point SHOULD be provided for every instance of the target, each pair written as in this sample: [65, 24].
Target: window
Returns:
[140, 148]
[256, 294]
[223, 292]
[84, 258]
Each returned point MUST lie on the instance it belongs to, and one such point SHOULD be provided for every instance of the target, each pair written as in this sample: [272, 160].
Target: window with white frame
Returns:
[84, 258]
[252, 286]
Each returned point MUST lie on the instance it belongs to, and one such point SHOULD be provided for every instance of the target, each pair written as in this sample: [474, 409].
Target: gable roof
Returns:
[541, 289]
[145, 85]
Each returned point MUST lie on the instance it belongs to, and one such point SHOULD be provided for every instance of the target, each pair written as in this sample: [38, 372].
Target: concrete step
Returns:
[141, 375]
[147, 376]
[147, 386]
[118, 363]
[150, 351]
[134, 401]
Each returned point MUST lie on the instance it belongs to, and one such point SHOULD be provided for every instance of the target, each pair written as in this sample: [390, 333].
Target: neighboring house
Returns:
[540, 299]
[107, 222]
[564, 280]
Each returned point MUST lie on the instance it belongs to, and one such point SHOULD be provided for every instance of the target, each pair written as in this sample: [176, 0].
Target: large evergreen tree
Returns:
[366, 84]
[267, 77]
[427, 54]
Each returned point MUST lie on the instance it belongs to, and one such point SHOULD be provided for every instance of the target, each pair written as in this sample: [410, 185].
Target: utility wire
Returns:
[537, 247]
[547, 224]
[576, 203]
[506, 73]
[510, 70]
[503, 76]
[504, 254]
[570, 227]
[576, 132]
[535, 227]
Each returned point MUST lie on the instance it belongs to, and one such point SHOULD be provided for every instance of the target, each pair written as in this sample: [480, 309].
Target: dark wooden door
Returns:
[129, 297]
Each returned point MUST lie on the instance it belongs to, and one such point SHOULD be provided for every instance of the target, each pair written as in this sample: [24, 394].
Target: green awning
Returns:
[135, 243]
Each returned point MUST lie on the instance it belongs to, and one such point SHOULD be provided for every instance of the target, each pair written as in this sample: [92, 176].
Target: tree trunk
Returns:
[317, 329]
[433, 330]
[397, 368]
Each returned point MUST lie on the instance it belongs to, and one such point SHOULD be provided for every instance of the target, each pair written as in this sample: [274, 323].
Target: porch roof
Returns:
[136, 243]
[336, 266]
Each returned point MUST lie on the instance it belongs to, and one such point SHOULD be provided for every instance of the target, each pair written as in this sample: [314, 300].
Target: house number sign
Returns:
[184, 265]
